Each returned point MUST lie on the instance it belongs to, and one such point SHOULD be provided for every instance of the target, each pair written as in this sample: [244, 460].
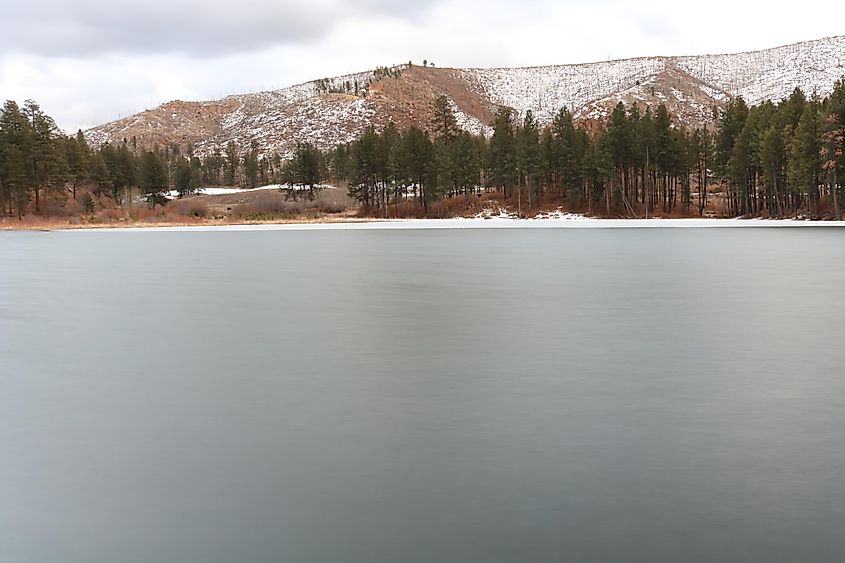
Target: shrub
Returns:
[87, 203]
[333, 201]
[267, 205]
[191, 207]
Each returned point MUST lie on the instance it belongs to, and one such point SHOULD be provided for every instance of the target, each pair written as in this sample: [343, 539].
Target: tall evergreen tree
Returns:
[77, 156]
[15, 158]
[251, 165]
[231, 163]
[182, 177]
[153, 179]
[46, 165]
[528, 160]
[502, 151]
[98, 173]
[444, 125]
[834, 144]
[804, 161]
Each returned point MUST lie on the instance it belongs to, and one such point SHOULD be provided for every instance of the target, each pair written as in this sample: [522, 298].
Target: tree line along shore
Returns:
[775, 160]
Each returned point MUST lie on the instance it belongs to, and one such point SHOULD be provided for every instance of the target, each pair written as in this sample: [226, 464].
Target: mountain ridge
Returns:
[335, 110]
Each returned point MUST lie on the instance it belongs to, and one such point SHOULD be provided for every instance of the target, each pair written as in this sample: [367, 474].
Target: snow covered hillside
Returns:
[774, 73]
[702, 80]
[327, 112]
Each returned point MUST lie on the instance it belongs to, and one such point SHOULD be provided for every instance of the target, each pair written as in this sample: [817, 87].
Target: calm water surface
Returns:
[584, 395]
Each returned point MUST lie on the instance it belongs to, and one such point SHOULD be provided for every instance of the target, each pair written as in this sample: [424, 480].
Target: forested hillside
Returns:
[781, 159]
[772, 159]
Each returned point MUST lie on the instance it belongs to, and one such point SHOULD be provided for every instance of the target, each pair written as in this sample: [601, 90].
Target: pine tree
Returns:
[804, 162]
[212, 168]
[702, 150]
[122, 170]
[251, 165]
[231, 163]
[730, 126]
[563, 158]
[440, 174]
[390, 163]
[153, 179]
[773, 165]
[834, 144]
[664, 151]
[46, 163]
[466, 162]
[77, 156]
[364, 174]
[339, 162]
[528, 159]
[196, 175]
[98, 173]
[619, 143]
[87, 203]
[444, 125]
[418, 153]
[307, 167]
[182, 178]
[502, 153]
[15, 158]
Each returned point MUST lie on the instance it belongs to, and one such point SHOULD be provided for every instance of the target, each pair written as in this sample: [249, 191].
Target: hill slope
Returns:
[331, 111]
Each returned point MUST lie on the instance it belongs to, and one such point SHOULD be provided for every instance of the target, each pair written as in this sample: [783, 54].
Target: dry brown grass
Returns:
[334, 201]
[63, 209]
[328, 206]
[447, 208]
[250, 207]
[264, 205]
[191, 207]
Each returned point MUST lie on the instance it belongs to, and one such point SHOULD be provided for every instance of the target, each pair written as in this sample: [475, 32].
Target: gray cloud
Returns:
[90, 61]
[199, 28]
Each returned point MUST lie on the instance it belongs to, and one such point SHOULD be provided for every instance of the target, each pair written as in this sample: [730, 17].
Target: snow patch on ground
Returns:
[229, 191]
[504, 214]
[470, 123]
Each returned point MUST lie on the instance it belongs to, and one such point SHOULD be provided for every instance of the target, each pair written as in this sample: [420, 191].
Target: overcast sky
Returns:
[90, 61]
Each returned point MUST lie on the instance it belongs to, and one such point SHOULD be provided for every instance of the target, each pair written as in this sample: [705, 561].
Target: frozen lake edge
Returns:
[475, 223]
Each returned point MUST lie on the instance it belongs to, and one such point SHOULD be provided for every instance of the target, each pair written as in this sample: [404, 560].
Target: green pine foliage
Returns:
[87, 202]
[783, 159]
[153, 178]
[774, 160]
[305, 171]
[444, 125]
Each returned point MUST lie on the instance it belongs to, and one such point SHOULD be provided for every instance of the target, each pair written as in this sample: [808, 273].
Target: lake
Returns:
[420, 395]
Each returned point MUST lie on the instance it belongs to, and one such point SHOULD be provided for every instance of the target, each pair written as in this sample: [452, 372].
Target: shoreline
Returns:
[570, 222]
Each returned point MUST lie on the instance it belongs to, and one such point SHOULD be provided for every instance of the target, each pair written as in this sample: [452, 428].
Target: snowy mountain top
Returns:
[336, 110]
